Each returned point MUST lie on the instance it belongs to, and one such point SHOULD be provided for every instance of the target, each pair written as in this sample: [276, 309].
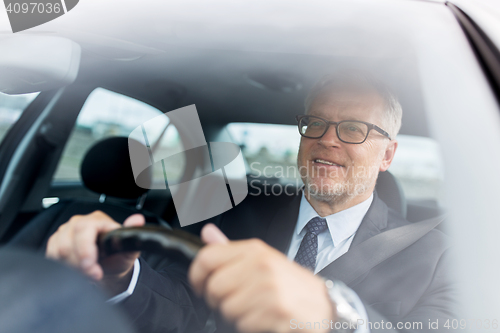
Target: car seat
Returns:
[391, 192]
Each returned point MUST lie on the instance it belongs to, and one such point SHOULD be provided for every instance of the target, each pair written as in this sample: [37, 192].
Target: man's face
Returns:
[334, 171]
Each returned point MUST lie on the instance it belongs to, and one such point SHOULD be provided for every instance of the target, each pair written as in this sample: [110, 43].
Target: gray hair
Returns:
[360, 81]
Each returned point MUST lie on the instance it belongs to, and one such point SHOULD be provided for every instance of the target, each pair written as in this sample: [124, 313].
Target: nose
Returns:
[330, 138]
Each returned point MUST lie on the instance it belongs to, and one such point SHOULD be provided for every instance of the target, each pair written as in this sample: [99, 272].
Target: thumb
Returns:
[136, 220]
[210, 234]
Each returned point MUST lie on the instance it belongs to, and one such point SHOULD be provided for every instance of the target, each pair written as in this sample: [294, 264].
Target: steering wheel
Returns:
[173, 243]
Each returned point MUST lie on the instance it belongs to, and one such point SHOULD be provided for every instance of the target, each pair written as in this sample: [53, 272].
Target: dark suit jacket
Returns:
[411, 287]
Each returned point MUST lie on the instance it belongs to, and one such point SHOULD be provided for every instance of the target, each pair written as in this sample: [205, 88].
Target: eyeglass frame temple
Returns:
[328, 123]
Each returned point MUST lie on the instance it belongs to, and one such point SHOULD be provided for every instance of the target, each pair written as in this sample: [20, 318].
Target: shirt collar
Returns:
[341, 225]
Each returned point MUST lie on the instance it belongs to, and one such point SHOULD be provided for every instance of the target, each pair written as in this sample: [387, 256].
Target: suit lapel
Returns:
[280, 231]
[282, 226]
[374, 221]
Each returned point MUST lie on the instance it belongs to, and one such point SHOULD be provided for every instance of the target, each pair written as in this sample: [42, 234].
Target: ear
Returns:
[388, 155]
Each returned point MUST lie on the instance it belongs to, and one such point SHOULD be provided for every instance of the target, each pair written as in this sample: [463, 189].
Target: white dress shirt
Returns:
[131, 287]
[342, 227]
[333, 242]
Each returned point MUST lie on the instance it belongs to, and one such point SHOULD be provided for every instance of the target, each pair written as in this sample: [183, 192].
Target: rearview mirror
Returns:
[37, 63]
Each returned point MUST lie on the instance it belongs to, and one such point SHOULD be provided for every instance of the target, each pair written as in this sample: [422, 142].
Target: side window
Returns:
[107, 114]
[11, 108]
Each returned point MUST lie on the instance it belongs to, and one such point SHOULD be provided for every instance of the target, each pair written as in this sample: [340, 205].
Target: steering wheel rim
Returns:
[175, 243]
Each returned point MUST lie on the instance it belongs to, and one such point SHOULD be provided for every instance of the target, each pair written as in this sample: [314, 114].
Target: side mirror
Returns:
[37, 63]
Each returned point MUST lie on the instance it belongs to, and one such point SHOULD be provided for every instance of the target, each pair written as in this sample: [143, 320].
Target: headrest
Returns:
[391, 192]
[106, 169]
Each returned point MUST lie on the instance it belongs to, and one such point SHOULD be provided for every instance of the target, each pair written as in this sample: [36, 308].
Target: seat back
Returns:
[390, 191]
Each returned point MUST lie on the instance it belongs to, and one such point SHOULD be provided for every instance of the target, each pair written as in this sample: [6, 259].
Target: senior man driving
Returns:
[276, 264]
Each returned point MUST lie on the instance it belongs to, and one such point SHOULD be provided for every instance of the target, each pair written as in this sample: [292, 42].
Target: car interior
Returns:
[107, 173]
[72, 90]
[226, 86]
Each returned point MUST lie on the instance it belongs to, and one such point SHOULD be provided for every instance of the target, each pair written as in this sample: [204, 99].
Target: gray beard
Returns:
[337, 193]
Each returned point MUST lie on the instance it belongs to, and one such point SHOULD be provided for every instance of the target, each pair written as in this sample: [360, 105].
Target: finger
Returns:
[213, 256]
[136, 220]
[65, 248]
[210, 234]
[95, 272]
[210, 258]
[258, 320]
[62, 233]
[226, 280]
[240, 302]
[84, 242]
[60, 245]
[51, 250]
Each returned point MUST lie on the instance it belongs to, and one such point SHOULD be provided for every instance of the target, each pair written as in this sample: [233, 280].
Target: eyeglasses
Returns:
[348, 131]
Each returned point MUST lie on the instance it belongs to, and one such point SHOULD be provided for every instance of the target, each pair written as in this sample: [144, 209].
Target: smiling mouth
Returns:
[325, 162]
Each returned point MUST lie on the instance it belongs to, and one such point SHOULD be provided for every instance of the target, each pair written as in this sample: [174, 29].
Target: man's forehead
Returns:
[348, 103]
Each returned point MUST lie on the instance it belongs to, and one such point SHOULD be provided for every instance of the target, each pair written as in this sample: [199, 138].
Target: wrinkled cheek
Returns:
[303, 167]
[366, 171]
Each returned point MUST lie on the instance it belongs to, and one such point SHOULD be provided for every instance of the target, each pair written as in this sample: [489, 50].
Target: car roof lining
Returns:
[173, 57]
[217, 81]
